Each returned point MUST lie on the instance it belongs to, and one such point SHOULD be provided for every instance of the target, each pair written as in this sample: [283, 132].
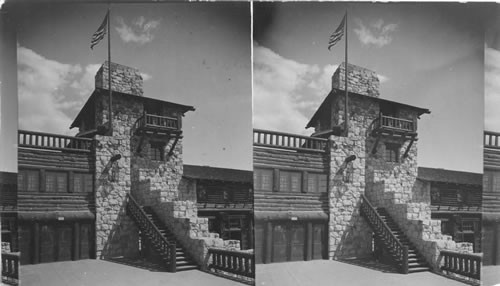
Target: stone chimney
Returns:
[361, 80]
[123, 79]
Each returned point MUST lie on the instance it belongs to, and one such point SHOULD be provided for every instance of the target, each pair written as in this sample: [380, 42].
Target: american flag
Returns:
[100, 33]
[337, 35]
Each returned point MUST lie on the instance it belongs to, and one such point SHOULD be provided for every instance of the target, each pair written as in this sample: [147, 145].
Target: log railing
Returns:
[50, 141]
[234, 262]
[491, 140]
[165, 248]
[465, 264]
[393, 123]
[399, 250]
[266, 138]
[10, 267]
[159, 122]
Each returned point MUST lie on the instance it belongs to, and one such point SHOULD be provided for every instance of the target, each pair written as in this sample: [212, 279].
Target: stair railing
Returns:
[10, 267]
[385, 233]
[152, 232]
[235, 262]
[465, 264]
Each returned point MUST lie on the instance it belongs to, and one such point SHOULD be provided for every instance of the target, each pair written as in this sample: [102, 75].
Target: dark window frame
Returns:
[156, 151]
[391, 153]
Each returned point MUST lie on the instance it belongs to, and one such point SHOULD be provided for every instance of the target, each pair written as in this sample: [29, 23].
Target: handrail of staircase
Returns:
[465, 264]
[235, 262]
[374, 218]
[152, 231]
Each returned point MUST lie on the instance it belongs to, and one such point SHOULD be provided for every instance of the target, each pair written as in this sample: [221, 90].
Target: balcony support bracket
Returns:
[176, 139]
[409, 146]
[374, 149]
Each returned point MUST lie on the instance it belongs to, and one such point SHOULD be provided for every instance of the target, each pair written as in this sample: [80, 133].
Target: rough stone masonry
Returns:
[392, 185]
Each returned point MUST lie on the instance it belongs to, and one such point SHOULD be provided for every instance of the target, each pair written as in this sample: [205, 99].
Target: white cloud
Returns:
[376, 34]
[286, 92]
[382, 78]
[85, 84]
[140, 31]
[492, 89]
[50, 93]
[146, 76]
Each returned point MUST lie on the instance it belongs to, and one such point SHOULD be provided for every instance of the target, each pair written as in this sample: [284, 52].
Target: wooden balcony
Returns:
[388, 125]
[281, 140]
[39, 140]
[491, 140]
[159, 124]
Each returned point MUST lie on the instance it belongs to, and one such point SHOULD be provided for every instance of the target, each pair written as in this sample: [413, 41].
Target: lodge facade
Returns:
[491, 199]
[343, 193]
[119, 188]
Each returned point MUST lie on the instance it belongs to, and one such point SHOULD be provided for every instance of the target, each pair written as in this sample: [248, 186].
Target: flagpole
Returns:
[346, 113]
[109, 74]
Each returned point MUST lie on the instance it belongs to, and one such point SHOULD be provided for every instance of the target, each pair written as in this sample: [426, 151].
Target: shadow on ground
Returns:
[138, 263]
[370, 264]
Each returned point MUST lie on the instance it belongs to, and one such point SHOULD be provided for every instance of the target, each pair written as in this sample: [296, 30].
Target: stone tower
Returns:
[378, 158]
[142, 155]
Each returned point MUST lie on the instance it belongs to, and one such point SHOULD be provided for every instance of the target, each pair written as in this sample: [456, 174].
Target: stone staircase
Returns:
[401, 250]
[416, 262]
[183, 261]
[159, 237]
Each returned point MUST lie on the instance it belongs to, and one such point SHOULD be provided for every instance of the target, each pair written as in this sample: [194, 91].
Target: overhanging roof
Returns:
[217, 174]
[182, 107]
[326, 103]
[449, 176]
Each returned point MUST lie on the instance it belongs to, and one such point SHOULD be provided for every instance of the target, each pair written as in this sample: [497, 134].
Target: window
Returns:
[83, 183]
[435, 196]
[263, 179]
[392, 153]
[156, 151]
[290, 181]
[56, 182]
[28, 180]
[317, 183]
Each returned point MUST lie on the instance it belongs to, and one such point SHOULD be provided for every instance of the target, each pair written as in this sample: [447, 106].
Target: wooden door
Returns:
[47, 243]
[86, 241]
[280, 242]
[65, 242]
[297, 238]
[26, 244]
[260, 240]
[318, 241]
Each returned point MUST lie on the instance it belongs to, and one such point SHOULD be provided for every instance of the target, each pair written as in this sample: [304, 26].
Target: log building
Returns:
[341, 192]
[117, 187]
[491, 199]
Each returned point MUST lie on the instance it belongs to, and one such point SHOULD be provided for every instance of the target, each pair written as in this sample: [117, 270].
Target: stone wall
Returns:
[116, 233]
[123, 79]
[361, 80]
[395, 187]
[349, 234]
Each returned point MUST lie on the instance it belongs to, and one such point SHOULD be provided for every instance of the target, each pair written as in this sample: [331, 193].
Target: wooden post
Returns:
[41, 181]
[268, 242]
[76, 240]
[404, 266]
[36, 243]
[305, 176]
[309, 241]
[276, 180]
[173, 263]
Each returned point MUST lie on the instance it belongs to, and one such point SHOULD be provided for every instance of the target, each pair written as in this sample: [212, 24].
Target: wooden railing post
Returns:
[173, 263]
[404, 266]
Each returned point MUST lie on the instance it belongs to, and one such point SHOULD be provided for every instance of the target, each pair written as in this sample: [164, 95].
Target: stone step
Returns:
[186, 268]
[418, 269]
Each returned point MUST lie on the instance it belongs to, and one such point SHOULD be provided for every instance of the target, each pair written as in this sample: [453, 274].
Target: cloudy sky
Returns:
[193, 54]
[427, 55]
